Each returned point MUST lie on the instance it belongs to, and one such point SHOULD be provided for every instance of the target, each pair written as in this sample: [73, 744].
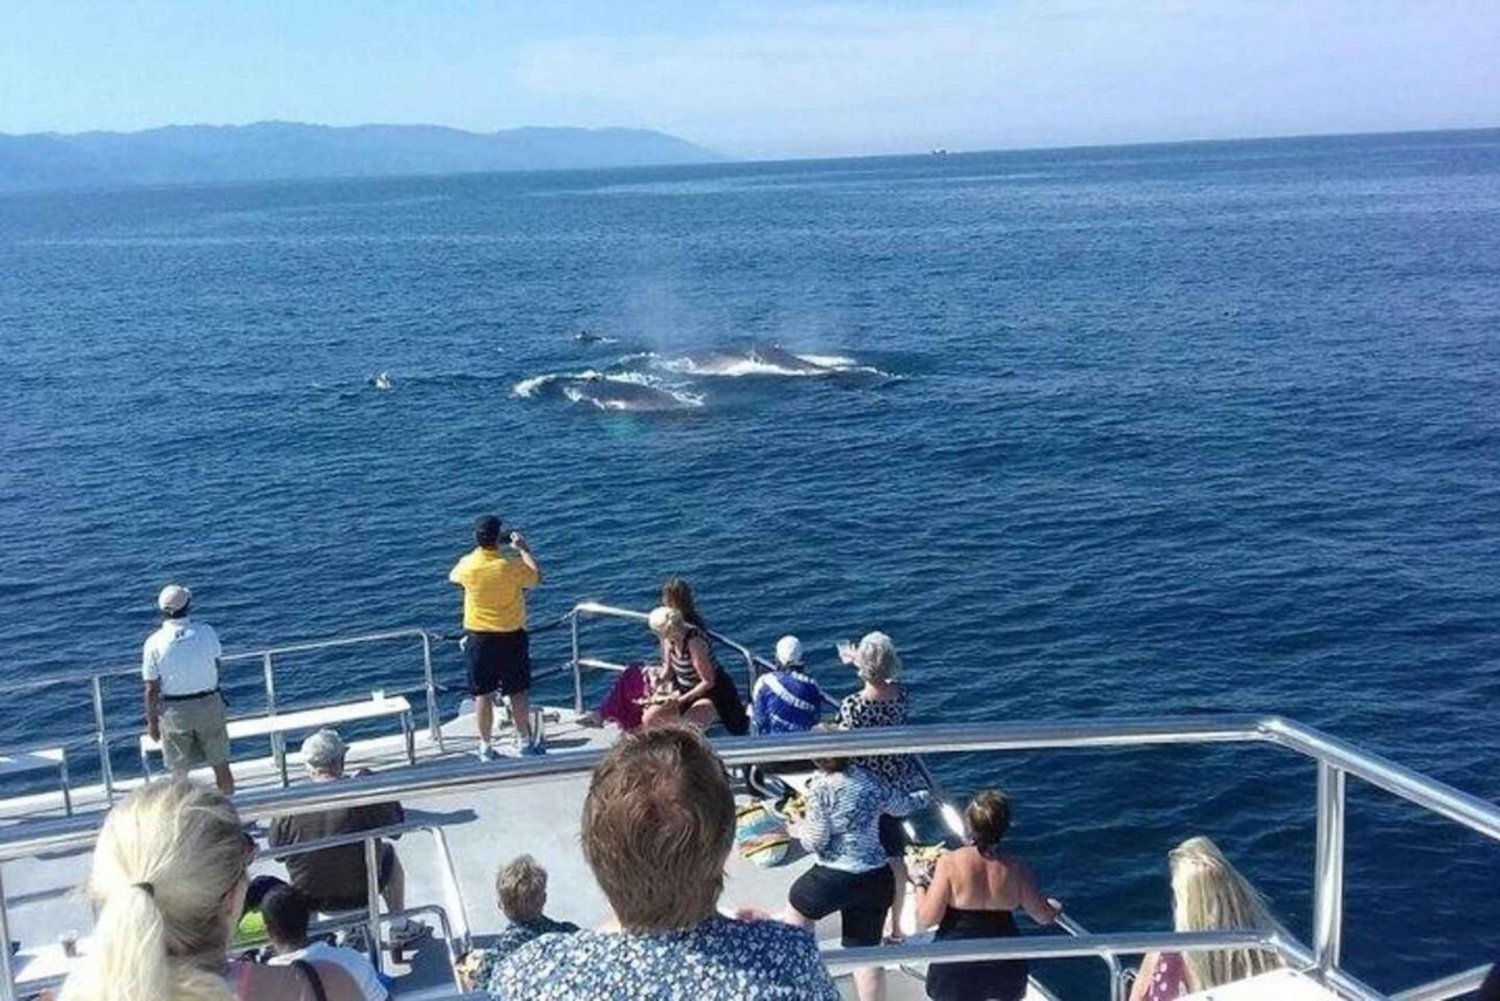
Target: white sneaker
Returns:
[486, 753]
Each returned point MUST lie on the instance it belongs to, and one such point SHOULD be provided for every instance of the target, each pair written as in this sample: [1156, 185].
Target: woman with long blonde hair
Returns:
[168, 881]
[1208, 894]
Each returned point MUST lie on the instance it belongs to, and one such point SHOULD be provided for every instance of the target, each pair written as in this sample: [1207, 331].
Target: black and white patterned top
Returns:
[722, 959]
[857, 712]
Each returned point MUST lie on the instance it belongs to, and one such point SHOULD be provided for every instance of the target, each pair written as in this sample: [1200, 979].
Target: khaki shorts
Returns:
[193, 732]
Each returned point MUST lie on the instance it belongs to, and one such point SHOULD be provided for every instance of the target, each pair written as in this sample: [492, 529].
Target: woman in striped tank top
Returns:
[701, 691]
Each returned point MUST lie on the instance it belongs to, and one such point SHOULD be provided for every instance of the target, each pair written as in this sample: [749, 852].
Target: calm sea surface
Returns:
[1111, 433]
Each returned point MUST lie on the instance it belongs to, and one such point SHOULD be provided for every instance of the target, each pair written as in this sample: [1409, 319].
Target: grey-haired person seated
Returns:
[333, 879]
[658, 824]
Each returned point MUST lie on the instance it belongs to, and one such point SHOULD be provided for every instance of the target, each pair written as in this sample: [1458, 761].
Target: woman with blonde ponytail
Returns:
[1208, 894]
[168, 882]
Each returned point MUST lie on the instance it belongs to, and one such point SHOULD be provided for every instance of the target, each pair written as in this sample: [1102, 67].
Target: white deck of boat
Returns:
[484, 831]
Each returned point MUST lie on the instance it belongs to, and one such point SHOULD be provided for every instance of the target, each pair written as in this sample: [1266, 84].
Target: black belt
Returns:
[185, 698]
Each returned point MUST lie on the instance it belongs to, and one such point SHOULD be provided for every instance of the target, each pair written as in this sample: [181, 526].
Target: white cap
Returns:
[173, 598]
[789, 651]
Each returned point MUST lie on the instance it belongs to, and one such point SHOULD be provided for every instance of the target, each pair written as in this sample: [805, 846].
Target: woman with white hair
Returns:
[1208, 894]
[698, 690]
[883, 701]
[168, 882]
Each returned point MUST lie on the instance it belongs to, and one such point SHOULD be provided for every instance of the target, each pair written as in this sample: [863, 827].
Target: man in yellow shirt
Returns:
[495, 642]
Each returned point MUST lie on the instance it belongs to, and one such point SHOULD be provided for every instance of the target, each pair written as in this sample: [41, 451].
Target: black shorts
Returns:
[498, 661]
[861, 898]
[893, 836]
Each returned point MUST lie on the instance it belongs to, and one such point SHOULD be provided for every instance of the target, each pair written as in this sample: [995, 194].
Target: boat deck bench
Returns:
[278, 725]
[37, 759]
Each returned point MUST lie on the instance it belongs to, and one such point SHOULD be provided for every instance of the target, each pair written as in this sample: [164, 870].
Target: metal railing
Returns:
[1451, 986]
[456, 931]
[1335, 759]
[371, 840]
[103, 735]
[1117, 982]
[593, 609]
[317, 928]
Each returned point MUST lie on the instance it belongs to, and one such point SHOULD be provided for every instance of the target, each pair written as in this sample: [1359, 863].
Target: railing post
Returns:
[106, 769]
[278, 744]
[372, 888]
[7, 967]
[1328, 886]
[577, 670]
[434, 725]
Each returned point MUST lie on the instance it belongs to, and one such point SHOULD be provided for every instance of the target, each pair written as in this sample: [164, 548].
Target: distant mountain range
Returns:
[284, 150]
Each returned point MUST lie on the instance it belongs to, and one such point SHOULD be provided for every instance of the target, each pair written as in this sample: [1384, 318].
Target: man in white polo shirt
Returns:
[184, 710]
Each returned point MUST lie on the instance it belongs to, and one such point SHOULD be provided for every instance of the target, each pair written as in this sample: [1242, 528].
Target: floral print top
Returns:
[721, 959]
[482, 962]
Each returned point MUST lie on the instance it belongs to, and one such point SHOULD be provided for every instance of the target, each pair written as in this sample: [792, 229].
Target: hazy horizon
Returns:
[730, 158]
[768, 80]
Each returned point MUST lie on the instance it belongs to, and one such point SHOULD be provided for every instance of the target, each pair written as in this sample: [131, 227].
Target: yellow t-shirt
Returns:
[494, 591]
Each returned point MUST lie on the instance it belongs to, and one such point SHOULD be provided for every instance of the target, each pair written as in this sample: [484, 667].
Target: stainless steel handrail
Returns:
[1047, 947]
[322, 926]
[1452, 986]
[266, 656]
[1338, 757]
[601, 610]
[1111, 960]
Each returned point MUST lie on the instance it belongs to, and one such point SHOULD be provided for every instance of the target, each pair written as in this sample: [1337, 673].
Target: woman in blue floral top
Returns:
[658, 824]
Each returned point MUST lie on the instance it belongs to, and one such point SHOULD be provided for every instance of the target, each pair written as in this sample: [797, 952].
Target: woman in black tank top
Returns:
[700, 690]
[965, 900]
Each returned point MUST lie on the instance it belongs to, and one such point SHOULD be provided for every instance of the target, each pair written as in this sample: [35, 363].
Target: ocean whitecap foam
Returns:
[636, 392]
[763, 361]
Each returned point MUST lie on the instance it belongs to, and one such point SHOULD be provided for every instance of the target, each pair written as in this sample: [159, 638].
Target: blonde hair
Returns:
[521, 887]
[1209, 894]
[658, 823]
[168, 856]
[877, 659]
[665, 619]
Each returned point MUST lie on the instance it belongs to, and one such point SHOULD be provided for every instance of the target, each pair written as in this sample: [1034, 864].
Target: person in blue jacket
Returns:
[786, 700]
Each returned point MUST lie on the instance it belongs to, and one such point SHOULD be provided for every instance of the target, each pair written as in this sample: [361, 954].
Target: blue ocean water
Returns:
[1114, 433]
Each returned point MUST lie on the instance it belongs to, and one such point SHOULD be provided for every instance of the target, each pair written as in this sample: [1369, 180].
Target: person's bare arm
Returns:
[153, 709]
[707, 676]
[1143, 977]
[523, 550]
[932, 902]
[1043, 910]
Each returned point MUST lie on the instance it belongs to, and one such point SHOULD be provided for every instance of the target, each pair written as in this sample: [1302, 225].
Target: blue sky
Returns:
[764, 79]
